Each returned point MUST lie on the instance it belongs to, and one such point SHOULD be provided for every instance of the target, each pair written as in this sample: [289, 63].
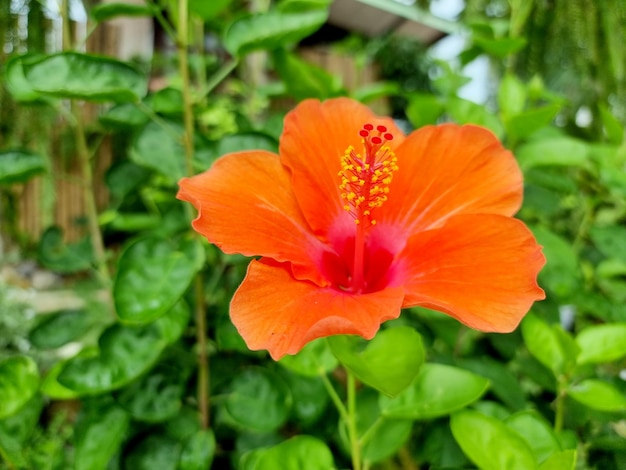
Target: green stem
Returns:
[559, 404]
[334, 396]
[219, 76]
[355, 445]
[188, 138]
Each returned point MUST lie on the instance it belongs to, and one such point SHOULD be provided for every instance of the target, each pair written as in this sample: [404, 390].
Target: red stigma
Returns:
[368, 127]
[388, 136]
[381, 129]
[364, 133]
[376, 140]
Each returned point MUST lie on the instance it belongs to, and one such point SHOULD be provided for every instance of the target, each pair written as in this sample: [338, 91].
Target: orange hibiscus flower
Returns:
[354, 221]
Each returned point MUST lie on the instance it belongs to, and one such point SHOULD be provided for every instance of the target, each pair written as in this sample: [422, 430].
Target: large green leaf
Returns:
[598, 395]
[84, 76]
[60, 328]
[63, 257]
[526, 123]
[100, 430]
[208, 10]
[555, 151]
[154, 451]
[489, 443]
[124, 354]
[602, 343]
[437, 390]
[379, 364]
[159, 147]
[564, 460]
[259, 400]
[19, 381]
[153, 274]
[271, 30]
[18, 166]
[15, 81]
[298, 453]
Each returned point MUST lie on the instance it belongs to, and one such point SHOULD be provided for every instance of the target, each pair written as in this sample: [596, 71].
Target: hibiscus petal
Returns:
[315, 137]
[246, 205]
[273, 311]
[480, 269]
[447, 170]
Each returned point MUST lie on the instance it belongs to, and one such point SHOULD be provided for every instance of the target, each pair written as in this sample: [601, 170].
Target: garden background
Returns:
[116, 349]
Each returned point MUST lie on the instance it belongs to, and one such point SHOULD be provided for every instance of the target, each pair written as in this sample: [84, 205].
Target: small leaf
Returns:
[108, 11]
[61, 257]
[612, 126]
[271, 30]
[315, 359]
[524, 124]
[153, 451]
[198, 451]
[379, 365]
[19, 381]
[310, 397]
[18, 166]
[259, 400]
[84, 76]
[59, 328]
[602, 343]
[554, 151]
[466, 112]
[549, 344]
[303, 80]
[511, 95]
[610, 240]
[536, 432]
[100, 430]
[561, 274]
[424, 109]
[489, 443]
[298, 453]
[208, 10]
[500, 47]
[153, 274]
[598, 395]
[437, 390]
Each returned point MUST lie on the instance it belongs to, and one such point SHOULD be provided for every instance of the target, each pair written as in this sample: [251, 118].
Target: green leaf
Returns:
[564, 460]
[561, 273]
[423, 109]
[51, 386]
[61, 257]
[259, 400]
[108, 11]
[437, 390]
[208, 10]
[537, 433]
[598, 395]
[549, 344]
[198, 451]
[504, 383]
[500, 47]
[314, 359]
[154, 451]
[602, 343]
[154, 397]
[379, 364]
[19, 381]
[303, 80]
[86, 77]
[60, 328]
[310, 397]
[160, 149]
[553, 151]
[524, 124]
[15, 80]
[123, 116]
[610, 240]
[374, 91]
[511, 95]
[271, 30]
[612, 126]
[466, 112]
[298, 453]
[18, 166]
[489, 443]
[124, 354]
[100, 430]
[16, 430]
[153, 274]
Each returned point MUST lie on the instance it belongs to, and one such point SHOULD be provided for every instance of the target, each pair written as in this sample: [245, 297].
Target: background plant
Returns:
[161, 378]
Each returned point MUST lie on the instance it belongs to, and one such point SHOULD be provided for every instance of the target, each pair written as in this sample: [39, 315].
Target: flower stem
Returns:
[355, 445]
[559, 404]
[182, 42]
